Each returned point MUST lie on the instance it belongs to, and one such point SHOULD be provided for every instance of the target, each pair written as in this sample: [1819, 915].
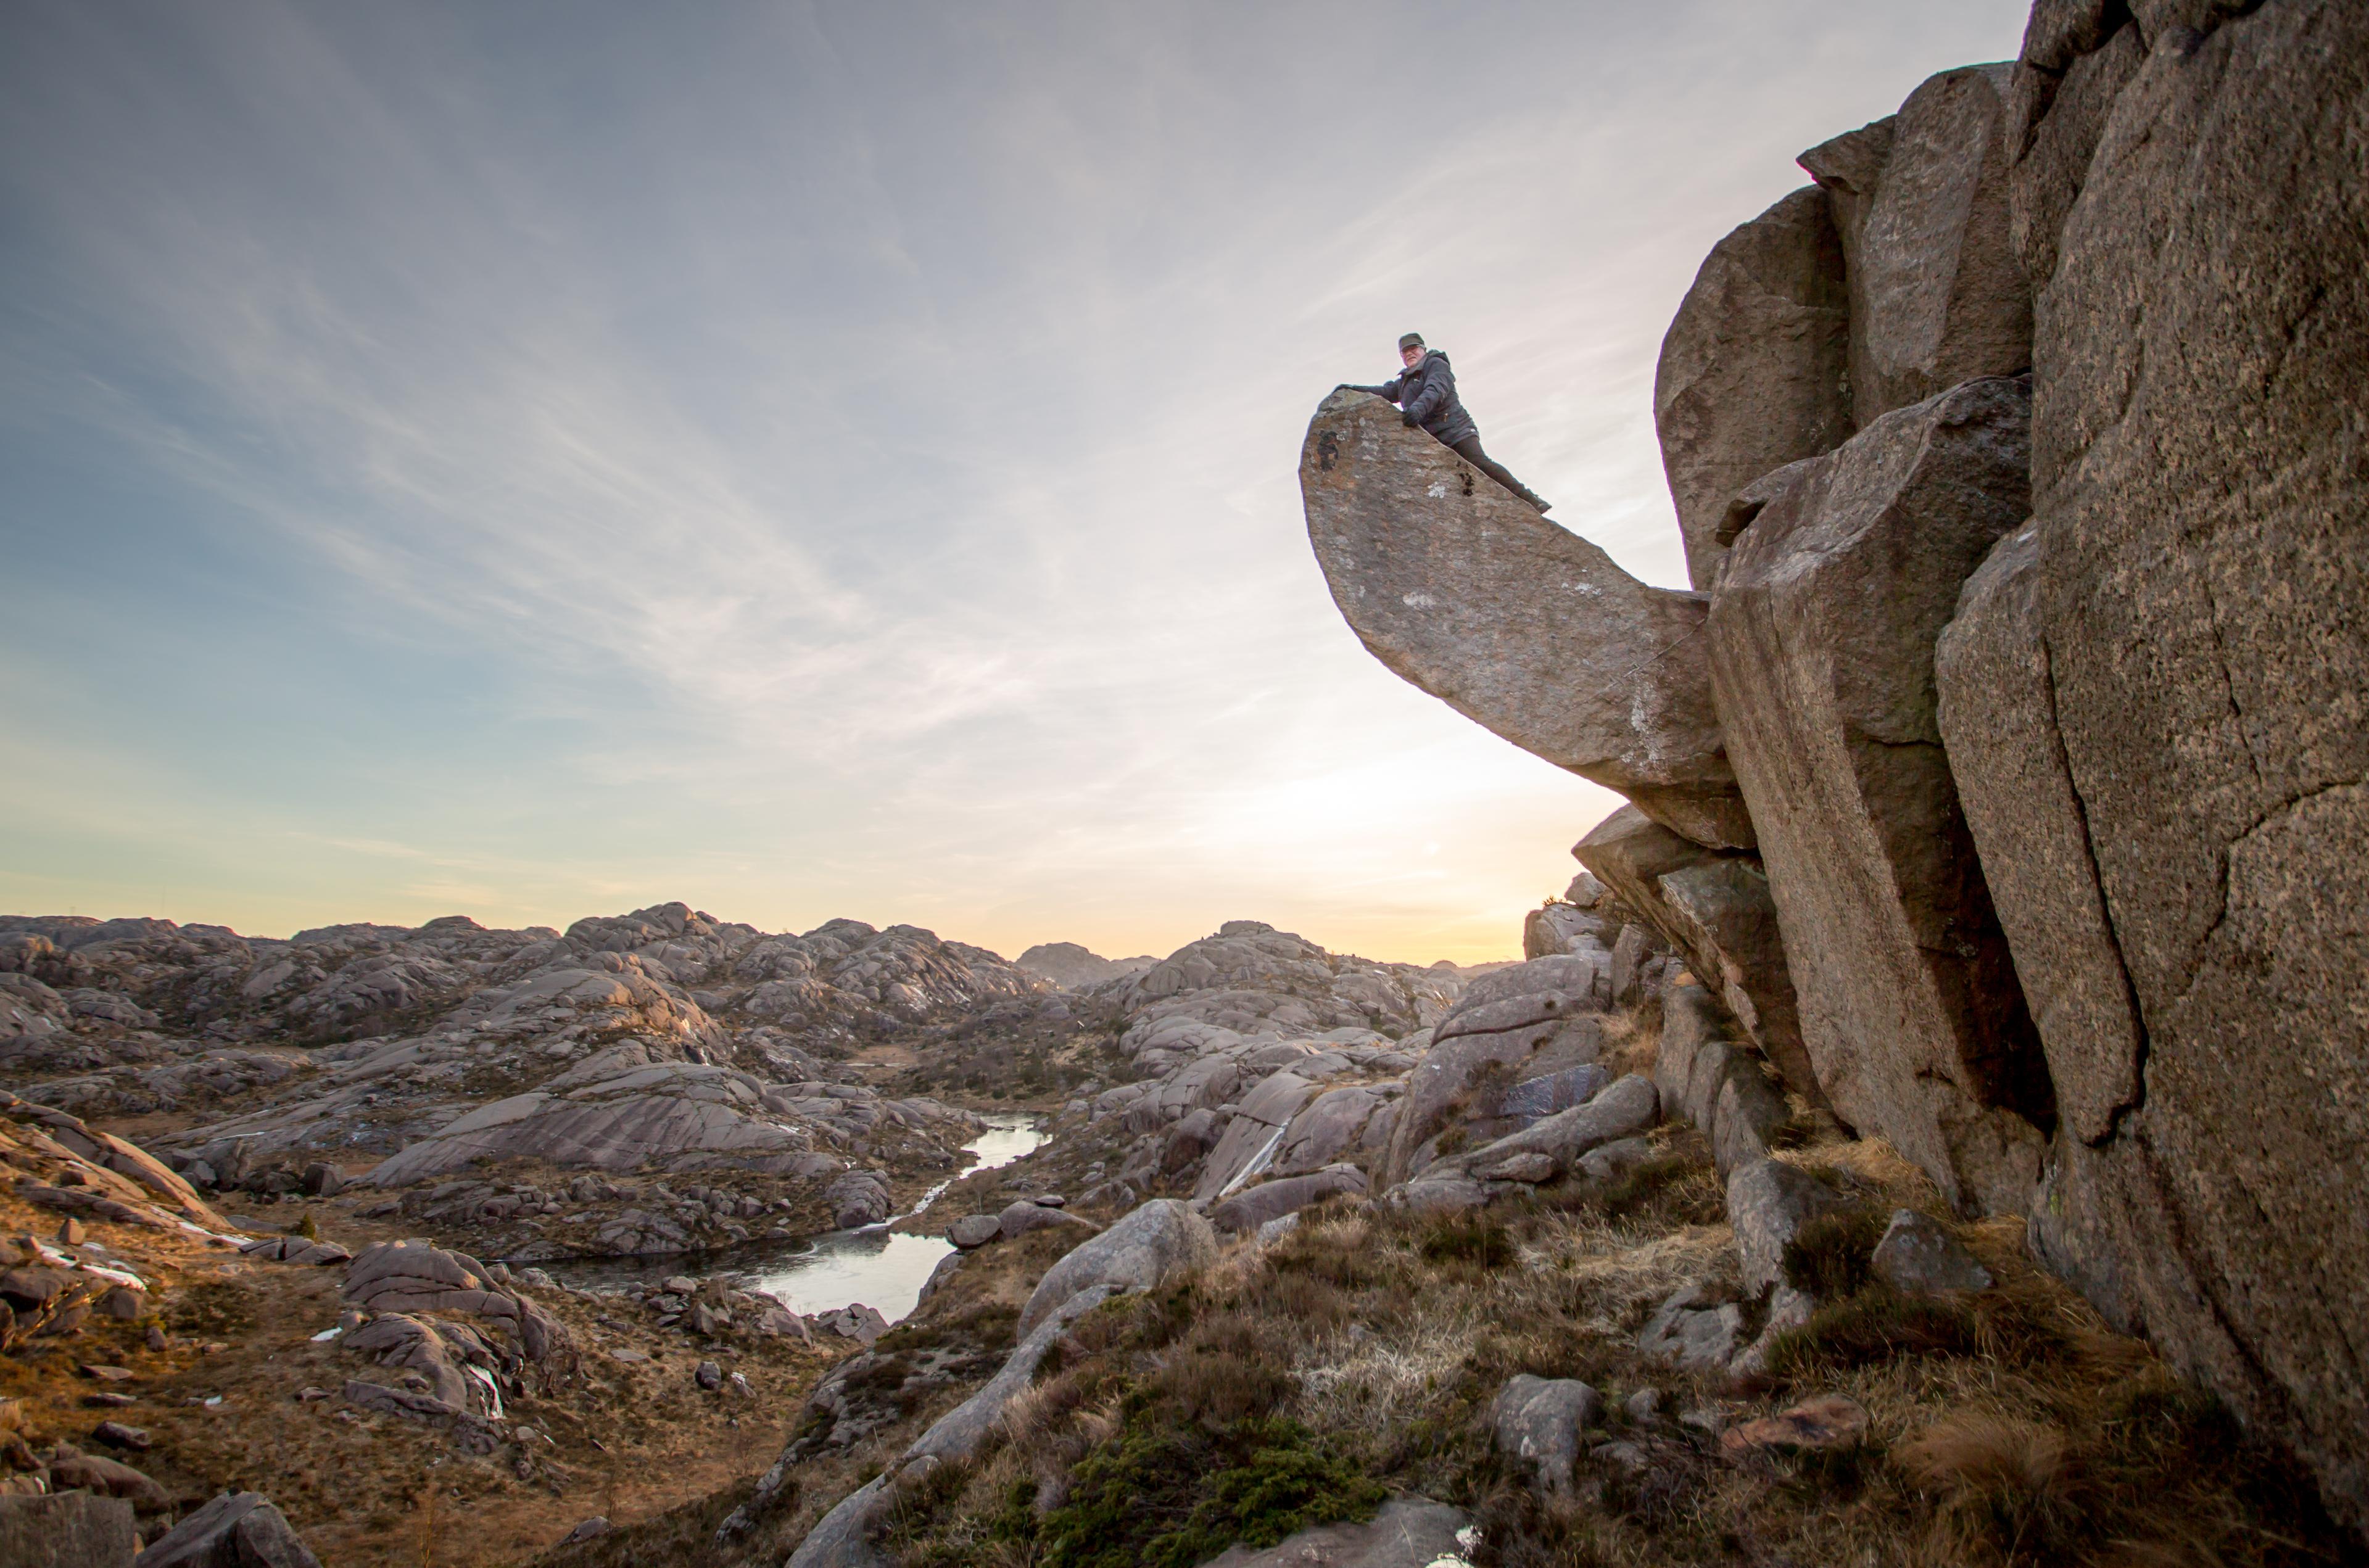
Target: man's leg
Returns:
[1468, 448]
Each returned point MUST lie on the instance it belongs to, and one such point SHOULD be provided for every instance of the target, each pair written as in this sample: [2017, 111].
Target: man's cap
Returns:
[1412, 340]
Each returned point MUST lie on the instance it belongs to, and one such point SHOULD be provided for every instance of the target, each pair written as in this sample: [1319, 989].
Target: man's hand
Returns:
[1407, 420]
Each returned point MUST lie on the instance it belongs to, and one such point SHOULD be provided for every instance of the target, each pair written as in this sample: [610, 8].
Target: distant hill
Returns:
[1075, 968]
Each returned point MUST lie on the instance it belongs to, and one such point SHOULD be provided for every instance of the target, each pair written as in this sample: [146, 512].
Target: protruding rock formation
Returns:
[1517, 625]
[1716, 910]
[1822, 638]
[1937, 296]
[2069, 903]
[2158, 700]
[1754, 372]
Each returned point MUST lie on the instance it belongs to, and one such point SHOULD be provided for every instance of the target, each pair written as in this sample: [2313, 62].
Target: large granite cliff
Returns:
[2002, 778]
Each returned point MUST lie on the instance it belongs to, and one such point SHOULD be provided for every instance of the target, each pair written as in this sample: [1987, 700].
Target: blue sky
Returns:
[537, 460]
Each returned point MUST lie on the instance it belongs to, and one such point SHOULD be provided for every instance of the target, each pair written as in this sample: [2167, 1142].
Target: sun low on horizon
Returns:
[817, 460]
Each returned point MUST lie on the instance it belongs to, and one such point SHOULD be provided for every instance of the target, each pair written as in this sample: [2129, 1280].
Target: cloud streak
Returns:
[824, 459]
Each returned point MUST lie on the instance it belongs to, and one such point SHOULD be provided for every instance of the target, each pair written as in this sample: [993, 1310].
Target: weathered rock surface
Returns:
[1822, 632]
[1937, 296]
[1717, 911]
[1409, 1532]
[1708, 1076]
[236, 1529]
[1521, 1043]
[1254, 1206]
[1917, 1256]
[1538, 1420]
[1754, 370]
[1075, 968]
[2195, 610]
[1524, 628]
[1156, 1242]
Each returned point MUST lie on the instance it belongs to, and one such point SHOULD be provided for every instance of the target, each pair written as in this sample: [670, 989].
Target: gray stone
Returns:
[1937, 296]
[2066, 84]
[1752, 374]
[857, 1198]
[1920, 1258]
[1154, 1243]
[1691, 1332]
[1538, 1420]
[1409, 1532]
[240, 1529]
[585, 1529]
[1822, 632]
[1768, 1204]
[2202, 600]
[1996, 705]
[77, 1530]
[1615, 1159]
[974, 1230]
[1524, 628]
[1621, 1110]
[1254, 1207]
[1717, 911]
[1018, 1219]
[708, 1376]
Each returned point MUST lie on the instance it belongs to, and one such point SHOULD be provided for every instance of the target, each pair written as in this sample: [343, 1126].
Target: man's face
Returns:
[1410, 357]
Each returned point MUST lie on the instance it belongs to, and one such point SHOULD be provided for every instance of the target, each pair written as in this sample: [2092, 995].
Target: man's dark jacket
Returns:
[1428, 392]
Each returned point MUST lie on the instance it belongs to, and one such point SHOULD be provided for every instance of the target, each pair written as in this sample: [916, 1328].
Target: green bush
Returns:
[1169, 1494]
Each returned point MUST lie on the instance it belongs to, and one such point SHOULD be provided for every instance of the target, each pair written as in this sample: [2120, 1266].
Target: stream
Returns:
[881, 1268]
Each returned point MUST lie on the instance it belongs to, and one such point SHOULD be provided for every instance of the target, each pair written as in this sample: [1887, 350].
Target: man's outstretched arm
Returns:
[1389, 389]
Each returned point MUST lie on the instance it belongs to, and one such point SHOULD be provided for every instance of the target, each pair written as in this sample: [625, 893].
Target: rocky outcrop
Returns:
[1156, 1242]
[1822, 635]
[1075, 968]
[1717, 911]
[1753, 372]
[1522, 1044]
[1936, 295]
[2176, 789]
[1519, 625]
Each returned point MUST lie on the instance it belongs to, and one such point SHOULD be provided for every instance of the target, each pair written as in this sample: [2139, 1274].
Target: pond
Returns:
[881, 1268]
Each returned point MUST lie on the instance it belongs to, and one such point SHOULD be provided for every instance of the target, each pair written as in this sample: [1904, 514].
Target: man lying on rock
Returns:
[1425, 394]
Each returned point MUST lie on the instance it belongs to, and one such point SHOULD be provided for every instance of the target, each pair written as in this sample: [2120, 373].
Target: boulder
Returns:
[1692, 1331]
[70, 1471]
[1937, 296]
[236, 1529]
[1018, 1219]
[1254, 1206]
[1918, 1258]
[77, 1530]
[974, 1230]
[1716, 910]
[2201, 599]
[1521, 1043]
[856, 1199]
[1538, 1420]
[1768, 1204]
[1528, 630]
[1822, 633]
[1708, 1076]
[1409, 1532]
[1753, 370]
[1157, 1242]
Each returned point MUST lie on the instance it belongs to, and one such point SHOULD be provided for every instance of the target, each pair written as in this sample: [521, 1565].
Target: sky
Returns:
[539, 459]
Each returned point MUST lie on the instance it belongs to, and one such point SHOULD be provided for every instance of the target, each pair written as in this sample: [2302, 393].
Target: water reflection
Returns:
[881, 1268]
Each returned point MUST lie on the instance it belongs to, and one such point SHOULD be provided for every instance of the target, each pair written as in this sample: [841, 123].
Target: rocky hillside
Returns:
[651, 1083]
[1072, 968]
[2000, 779]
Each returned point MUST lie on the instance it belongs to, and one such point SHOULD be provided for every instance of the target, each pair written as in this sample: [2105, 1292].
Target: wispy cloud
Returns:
[829, 458]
